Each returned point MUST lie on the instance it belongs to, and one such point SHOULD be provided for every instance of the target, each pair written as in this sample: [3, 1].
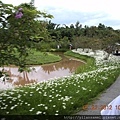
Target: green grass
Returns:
[90, 62]
[62, 96]
[39, 58]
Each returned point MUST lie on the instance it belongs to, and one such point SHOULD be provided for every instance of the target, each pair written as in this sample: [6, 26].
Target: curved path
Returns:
[103, 99]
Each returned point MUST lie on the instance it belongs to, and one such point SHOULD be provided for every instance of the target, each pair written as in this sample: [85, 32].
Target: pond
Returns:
[65, 67]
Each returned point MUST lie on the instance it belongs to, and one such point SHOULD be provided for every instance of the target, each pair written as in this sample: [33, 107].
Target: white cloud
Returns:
[89, 12]
[15, 2]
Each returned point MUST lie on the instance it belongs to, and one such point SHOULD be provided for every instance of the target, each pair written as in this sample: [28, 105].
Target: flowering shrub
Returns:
[16, 35]
[19, 13]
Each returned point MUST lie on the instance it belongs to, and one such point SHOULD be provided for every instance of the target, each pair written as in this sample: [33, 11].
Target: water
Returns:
[65, 67]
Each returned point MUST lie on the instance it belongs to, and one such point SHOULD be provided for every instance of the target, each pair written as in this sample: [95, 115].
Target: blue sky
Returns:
[87, 12]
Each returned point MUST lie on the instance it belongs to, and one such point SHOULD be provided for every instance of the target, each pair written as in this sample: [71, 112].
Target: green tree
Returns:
[78, 27]
[20, 27]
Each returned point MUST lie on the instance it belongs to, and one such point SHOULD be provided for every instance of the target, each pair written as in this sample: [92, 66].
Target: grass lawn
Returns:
[63, 96]
[39, 58]
[85, 67]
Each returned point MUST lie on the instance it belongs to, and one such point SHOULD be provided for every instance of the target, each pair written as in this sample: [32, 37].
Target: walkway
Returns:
[103, 99]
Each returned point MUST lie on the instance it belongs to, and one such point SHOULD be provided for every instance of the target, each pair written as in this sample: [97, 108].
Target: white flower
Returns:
[28, 104]
[6, 105]
[46, 107]
[44, 112]
[38, 112]
[66, 98]
[104, 78]
[39, 105]
[56, 114]
[54, 105]
[64, 107]
[50, 100]
[50, 95]
[31, 109]
[10, 102]
[11, 93]
[7, 112]
[64, 103]
[45, 94]
[12, 107]
[78, 91]
[84, 88]
[57, 95]
[19, 96]
[20, 103]
[37, 89]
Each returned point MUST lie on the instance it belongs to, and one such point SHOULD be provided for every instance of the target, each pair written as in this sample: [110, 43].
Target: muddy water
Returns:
[65, 67]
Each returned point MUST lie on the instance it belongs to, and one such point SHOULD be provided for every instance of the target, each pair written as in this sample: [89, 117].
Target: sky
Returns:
[87, 12]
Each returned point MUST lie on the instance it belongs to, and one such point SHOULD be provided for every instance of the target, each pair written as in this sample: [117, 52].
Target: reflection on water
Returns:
[65, 67]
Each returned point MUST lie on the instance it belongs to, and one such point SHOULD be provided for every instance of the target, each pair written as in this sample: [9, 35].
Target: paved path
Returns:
[103, 99]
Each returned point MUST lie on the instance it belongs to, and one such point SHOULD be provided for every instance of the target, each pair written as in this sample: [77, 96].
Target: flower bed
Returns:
[61, 96]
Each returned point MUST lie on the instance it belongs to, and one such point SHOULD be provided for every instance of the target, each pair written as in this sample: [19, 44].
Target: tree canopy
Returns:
[20, 27]
[95, 37]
